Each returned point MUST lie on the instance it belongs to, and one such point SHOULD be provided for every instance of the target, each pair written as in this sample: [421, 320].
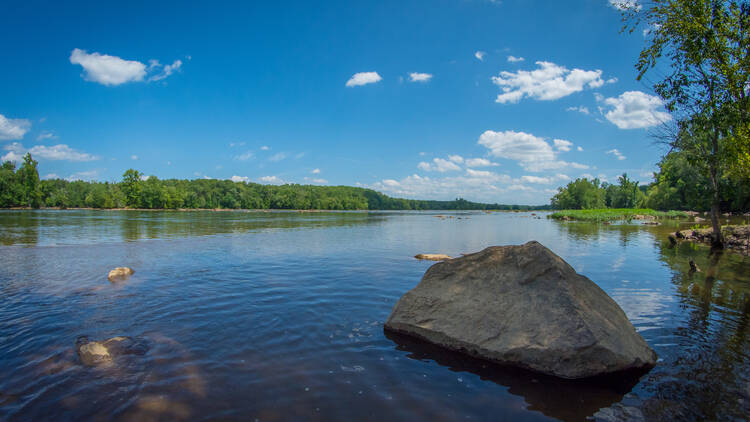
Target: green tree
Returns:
[707, 46]
[131, 187]
[29, 178]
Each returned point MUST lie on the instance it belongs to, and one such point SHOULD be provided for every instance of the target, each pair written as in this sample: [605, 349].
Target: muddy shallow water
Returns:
[279, 316]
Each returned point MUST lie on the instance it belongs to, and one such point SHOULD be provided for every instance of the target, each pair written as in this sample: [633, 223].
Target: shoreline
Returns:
[266, 210]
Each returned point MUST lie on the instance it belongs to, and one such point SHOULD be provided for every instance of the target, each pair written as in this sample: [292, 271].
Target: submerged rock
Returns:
[94, 353]
[432, 256]
[524, 306]
[120, 273]
[736, 238]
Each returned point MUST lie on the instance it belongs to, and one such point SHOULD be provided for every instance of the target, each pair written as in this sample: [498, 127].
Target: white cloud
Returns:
[272, 180]
[617, 154]
[46, 135]
[13, 129]
[363, 78]
[635, 110]
[51, 176]
[133, 157]
[625, 4]
[438, 164]
[581, 109]
[83, 175]
[243, 179]
[514, 59]
[612, 80]
[456, 159]
[548, 82]
[316, 180]
[165, 70]
[112, 70]
[265, 148]
[545, 180]
[315, 171]
[562, 144]
[480, 55]
[236, 144]
[108, 70]
[532, 152]
[60, 152]
[277, 157]
[579, 148]
[244, 156]
[480, 162]
[419, 77]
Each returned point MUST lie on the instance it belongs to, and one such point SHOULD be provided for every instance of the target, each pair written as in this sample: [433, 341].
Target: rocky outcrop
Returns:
[120, 273]
[524, 306]
[736, 238]
[93, 353]
[432, 256]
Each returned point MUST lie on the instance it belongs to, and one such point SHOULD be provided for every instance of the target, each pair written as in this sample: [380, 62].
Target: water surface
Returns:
[279, 316]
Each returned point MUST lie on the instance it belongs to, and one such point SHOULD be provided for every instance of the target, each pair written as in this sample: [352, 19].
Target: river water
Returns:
[276, 316]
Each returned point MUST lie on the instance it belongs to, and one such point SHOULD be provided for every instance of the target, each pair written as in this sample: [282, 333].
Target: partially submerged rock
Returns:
[736, 238]
[120, 273]
[524, 306]
[93, 353]
[432, 256]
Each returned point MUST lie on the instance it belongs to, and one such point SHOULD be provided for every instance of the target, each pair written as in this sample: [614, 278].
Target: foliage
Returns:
[609, 214]
[706, 44]
[591, 194]
[152, 193]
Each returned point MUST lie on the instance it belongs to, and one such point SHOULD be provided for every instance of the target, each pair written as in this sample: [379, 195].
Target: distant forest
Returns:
[21, 187]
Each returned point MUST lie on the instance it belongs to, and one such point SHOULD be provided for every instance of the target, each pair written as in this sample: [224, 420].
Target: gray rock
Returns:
[524, 306]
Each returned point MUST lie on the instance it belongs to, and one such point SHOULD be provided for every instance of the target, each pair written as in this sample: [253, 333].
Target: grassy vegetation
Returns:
[609, 214]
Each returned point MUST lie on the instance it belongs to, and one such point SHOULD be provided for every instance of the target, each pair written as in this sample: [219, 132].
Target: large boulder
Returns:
[524, 306]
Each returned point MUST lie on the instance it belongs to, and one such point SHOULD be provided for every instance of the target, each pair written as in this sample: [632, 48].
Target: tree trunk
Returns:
[717, 242]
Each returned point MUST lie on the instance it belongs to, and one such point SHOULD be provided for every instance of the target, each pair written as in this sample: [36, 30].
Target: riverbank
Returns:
[736, 238]
[611, 214]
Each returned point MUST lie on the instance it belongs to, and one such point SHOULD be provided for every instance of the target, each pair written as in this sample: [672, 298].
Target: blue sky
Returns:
[496, 101]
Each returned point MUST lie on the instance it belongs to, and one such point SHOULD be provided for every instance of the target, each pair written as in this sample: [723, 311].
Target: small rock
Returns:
[432, 256]
[94, 353]
[120, 273]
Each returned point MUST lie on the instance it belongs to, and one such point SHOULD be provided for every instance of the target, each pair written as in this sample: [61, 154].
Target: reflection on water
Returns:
[279, 316]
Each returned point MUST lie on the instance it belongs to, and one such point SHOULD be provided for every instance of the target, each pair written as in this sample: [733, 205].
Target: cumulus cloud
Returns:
[243, 179]
[265, 148]
[112, 70]
[272, 180]
[579, 148]
[363, 78]
[439, 164]
[548, 82]
[133, 157]
[545, 180]
[617, 154]
[562, 144]
[60, 152]
[635, 110]
[13, 129]
[514, 59]
[531, 152]
[315, 171]
[419, 77]
[581, 109]
[480, 162]
[480, 55]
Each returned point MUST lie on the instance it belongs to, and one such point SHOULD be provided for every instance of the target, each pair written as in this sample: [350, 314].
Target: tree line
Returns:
[678, 185]
[21, 187]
